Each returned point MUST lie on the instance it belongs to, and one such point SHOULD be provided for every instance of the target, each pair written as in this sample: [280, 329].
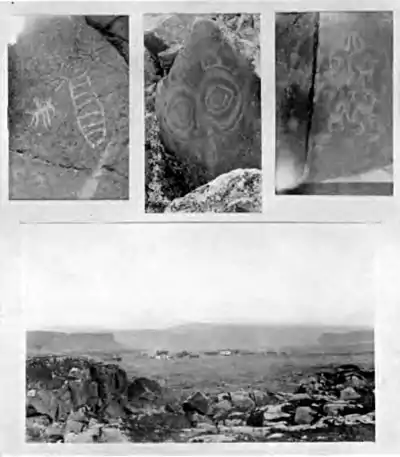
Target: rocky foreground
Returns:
[80, 400]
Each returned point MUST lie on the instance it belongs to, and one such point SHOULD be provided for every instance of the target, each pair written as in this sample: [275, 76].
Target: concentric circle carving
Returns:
[180, 112]
[220, 98]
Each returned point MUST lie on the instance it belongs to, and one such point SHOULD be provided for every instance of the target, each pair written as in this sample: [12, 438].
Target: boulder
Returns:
[260, 398]
[141, 386]
[60, 70]
[333, 409]
[349, 393]
[75, 383]
[209, 106]
[256, 418]
[198, 402]
[241, 401]
[275, 412]
[221, 410]
[304, 415]
[237, 191]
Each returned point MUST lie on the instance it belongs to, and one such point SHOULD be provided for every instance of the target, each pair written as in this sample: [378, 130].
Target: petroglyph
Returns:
[43, 113]
[208, 106]
[57, 56]
[89, 111]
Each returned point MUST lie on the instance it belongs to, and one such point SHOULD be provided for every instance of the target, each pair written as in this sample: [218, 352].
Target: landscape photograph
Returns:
[68, 107]
[334, 103]
[202, 86]
[225, 333]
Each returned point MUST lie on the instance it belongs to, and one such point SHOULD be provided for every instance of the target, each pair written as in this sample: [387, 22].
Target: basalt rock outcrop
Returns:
[76, 399]
[203, 91]
[324, 407]
[79, 400]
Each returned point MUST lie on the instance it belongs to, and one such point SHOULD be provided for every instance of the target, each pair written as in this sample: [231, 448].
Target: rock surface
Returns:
[202, 84]
[208, 106]
[78, 400]
[60, 70]
[237, 191]
[350, 132]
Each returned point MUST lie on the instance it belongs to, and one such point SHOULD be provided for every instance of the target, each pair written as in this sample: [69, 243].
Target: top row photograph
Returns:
[199, 112]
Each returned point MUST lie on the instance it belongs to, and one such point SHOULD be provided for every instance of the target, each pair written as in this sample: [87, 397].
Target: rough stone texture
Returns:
[352, 124]
[294, 56]
[350, 137]
[197, 402]
[54, 159]
[166, 30]
[115, 29]
[76, 400]
[208, 106]
[237, 191]
[168, 40]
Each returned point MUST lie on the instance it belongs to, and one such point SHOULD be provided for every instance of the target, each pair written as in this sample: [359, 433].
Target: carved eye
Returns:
[180, 112]
[220, 98]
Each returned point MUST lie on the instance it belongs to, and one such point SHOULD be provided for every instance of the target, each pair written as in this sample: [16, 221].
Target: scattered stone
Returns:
[304, 415]
[275, 412]
[276, 436]
[141, 387]
[197, 402]
[79, 400]
[349, 393]
[256, 418]
[242, 401]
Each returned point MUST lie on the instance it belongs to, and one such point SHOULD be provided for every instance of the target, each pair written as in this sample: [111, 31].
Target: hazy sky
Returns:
[149, 276]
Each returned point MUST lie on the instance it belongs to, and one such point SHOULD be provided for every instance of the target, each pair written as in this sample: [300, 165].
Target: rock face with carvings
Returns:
[334, 99]
[68, 113]
[203, 109]
[353, 117]
[208, 106]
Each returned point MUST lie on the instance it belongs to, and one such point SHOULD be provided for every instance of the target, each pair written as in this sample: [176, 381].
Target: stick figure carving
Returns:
[42, 113]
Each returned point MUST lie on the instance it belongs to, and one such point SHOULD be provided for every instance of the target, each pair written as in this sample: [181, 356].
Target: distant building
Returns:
[161, 355]
[226, 353]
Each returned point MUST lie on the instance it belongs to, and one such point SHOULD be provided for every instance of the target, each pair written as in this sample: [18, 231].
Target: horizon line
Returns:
[68, 329]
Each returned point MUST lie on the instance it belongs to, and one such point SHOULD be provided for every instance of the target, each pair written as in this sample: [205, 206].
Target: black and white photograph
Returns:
[68, 107]
[334, 103]
[202, 88]
[198, 333]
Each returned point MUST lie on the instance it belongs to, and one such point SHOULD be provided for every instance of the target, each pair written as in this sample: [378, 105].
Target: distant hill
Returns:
[43, 342]
[201, 337]
[205, 337]
[346, 338]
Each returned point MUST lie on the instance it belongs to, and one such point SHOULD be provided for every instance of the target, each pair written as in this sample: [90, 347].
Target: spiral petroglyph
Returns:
[220, 98]
[180, 112]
